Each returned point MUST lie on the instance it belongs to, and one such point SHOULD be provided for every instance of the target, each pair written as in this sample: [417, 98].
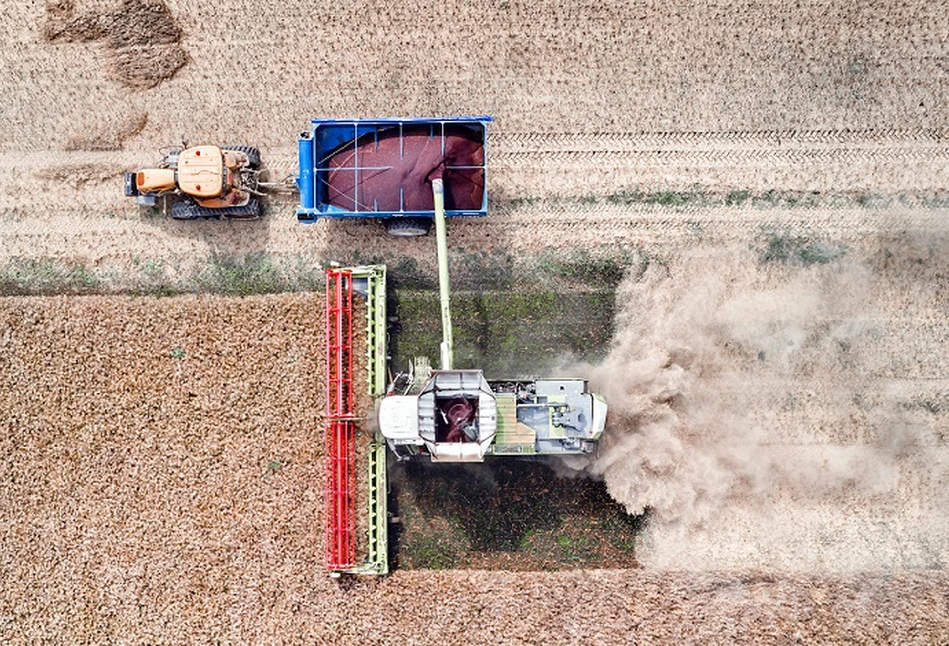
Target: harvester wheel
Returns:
[408, 227]
[253, 155]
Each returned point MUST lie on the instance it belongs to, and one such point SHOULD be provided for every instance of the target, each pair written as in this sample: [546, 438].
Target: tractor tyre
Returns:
[408, 227]
[250, 211]
[186, 210]
[253, 155]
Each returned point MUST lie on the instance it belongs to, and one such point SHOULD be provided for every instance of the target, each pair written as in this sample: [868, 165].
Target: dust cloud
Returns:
[735, 382]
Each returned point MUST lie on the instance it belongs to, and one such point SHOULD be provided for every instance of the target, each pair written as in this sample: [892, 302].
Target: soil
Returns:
[745, 148]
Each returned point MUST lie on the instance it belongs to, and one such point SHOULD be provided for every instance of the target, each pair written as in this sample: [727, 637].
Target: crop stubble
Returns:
[538, 66]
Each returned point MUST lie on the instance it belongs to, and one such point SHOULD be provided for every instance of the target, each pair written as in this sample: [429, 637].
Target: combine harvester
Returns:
[412, 173]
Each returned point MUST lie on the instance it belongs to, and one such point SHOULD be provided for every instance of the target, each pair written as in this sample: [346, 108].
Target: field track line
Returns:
[517, 150]
[608, 217]
[624, 141]
[593, 159]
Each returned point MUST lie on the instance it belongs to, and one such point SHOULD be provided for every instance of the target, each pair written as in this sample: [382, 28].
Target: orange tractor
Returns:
[201, 183]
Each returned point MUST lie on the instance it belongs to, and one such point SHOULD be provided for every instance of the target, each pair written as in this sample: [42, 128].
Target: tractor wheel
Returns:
[187, 210]
[408, 227]
[253, 155]
[250, 211]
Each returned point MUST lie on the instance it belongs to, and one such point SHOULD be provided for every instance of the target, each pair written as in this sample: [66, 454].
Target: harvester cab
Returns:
[201, 182]
[453, 418]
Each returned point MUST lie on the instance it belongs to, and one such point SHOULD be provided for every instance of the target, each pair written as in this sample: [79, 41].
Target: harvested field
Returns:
[515, 515]
[591, 101]
[541, 67]
[141, 38]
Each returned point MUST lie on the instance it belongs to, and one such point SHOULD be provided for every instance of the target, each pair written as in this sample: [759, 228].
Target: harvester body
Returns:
[459, 416]
[412, 173]
[201, 182]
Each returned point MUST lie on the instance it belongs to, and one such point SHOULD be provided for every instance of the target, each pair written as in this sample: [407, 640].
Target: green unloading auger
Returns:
[441, 237]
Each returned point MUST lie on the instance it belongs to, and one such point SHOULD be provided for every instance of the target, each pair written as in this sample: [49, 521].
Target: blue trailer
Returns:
[383, 168]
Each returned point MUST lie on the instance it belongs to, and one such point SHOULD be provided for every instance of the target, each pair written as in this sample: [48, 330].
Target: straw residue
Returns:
[141, 38]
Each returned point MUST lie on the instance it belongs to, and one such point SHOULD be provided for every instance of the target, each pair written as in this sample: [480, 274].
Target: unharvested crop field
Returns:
[162, 467]
[732, 217]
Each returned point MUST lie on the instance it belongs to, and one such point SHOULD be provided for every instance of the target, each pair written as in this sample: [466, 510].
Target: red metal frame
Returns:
[340, 424]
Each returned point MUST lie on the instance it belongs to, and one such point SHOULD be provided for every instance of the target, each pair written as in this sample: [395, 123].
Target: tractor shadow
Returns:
[228, 256]
[232, 237]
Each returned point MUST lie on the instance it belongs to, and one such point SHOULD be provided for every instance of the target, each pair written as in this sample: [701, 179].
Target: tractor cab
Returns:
[211, 176]
[201, 172]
